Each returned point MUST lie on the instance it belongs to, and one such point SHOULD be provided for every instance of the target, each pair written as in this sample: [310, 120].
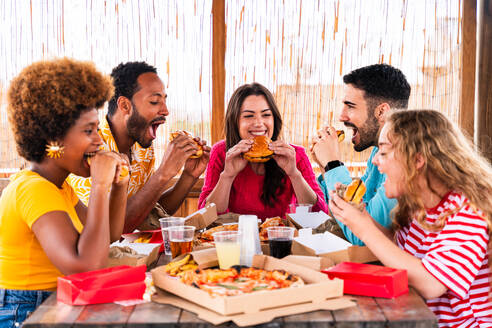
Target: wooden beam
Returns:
[468, 62]
[484, 73]
[218, 70]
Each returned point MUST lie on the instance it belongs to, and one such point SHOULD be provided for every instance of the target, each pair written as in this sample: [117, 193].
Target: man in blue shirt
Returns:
[370, 93]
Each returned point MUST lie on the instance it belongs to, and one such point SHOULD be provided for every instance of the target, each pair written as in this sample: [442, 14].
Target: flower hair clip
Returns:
[54, 149]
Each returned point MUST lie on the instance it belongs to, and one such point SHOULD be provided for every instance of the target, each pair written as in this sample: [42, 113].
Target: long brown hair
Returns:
[274, 176]
[448, 156]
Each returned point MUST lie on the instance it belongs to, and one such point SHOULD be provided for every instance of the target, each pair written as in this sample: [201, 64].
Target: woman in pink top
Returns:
[264, 189]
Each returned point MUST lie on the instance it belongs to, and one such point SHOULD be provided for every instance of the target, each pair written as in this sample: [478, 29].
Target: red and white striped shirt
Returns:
[457, 256]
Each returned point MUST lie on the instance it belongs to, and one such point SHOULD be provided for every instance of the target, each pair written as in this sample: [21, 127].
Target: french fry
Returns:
[176, 264]
[177, 268]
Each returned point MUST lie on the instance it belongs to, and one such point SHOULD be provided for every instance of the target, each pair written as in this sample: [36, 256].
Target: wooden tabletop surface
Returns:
[408, 310]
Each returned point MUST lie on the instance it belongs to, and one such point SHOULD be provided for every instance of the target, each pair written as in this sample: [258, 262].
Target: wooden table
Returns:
[406, 311]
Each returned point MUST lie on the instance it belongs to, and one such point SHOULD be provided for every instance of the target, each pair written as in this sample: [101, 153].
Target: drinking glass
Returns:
[181, 239]
[165, 223]
[300, 208]
[280, 241]
[228, 248]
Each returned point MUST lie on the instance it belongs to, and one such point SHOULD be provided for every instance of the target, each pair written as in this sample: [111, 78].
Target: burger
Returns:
[199, 152]
[353, 193]
[124, 168]
[259, 152]
[340, 135]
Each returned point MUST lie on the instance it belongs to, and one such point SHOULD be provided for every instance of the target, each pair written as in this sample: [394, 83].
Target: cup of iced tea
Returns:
[165, 223]
[228, 248]
[181, 239]
[280, 241]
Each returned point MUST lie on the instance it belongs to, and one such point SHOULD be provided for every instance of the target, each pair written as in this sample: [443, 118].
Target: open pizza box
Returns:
[133, 254]
[319, 292]
[329, 245]
[203, 217]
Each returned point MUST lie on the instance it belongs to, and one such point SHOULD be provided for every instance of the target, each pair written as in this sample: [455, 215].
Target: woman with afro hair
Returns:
[45, 231]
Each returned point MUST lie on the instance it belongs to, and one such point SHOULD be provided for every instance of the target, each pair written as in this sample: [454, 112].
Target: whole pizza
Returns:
[239, 280]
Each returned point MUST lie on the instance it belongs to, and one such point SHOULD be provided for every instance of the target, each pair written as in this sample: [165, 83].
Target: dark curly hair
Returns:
[381, 83]
[125, 83]
[274, 182]
[46, 99]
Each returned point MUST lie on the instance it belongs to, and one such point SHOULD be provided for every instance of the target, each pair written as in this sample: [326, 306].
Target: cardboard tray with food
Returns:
[316, 288]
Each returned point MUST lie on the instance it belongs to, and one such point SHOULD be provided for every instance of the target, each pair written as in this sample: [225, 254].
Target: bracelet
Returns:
[332, 165]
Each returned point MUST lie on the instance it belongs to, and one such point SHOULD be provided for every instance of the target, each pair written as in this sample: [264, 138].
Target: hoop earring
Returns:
[54, 149]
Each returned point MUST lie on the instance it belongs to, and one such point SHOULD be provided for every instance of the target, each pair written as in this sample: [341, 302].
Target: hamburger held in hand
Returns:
[259, 152]
[353, 193]
[199, 152]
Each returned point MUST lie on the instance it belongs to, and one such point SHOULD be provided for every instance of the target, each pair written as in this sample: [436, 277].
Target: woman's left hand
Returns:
[359, 222]
[285, 156]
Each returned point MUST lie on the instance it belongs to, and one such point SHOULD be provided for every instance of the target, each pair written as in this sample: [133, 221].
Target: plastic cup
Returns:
[300, 208]
[228, 248]
[250, 239]
[280, 241]
[181, 239]
[165, 223]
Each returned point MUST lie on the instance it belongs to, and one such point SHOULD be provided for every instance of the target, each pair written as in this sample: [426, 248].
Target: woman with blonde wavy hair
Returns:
[443, 219]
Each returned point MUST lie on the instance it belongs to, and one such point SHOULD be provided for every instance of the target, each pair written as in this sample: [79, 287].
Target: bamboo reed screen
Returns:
[299, 49]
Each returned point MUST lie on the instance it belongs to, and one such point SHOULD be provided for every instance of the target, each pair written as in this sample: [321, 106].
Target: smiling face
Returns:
[357, 115]
[149, 109]
[255, 118]
[80, 142]
[389, 163]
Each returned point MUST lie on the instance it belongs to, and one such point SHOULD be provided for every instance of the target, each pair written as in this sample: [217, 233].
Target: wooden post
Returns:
[468, 62]
[218, 70]
[484, 73]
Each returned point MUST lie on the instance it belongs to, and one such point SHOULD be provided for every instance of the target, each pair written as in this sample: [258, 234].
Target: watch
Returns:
[332, 165]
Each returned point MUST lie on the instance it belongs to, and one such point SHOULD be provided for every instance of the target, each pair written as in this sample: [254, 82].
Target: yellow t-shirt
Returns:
[141, 166]
[23, 262]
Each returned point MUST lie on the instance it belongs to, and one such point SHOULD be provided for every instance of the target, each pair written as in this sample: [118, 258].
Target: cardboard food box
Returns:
[302, 220]
[205, 258]
[102, 286]
[248, 319]
[370, 280]
[203, 217]
[143, 254]
[317, 289]
[330, 246]
[312, 262]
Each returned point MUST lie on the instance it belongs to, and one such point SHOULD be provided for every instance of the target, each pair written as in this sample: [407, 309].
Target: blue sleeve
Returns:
[327, 181]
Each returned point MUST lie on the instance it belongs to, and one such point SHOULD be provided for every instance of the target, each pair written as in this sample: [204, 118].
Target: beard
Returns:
[137, 127]
[368, 133]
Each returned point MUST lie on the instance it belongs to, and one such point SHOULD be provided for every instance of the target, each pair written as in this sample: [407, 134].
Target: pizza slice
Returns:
[208, 234]
[270, 222]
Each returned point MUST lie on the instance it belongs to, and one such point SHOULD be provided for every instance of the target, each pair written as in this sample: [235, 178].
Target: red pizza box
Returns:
[370, 280]
[102, 286]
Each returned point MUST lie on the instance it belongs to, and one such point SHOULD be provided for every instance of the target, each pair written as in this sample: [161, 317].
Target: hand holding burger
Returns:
[199, 152]
[353, 193]
[259, 152]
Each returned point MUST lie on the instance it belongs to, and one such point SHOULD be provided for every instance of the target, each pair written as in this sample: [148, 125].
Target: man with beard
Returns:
[136, 110]
[370, 92]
